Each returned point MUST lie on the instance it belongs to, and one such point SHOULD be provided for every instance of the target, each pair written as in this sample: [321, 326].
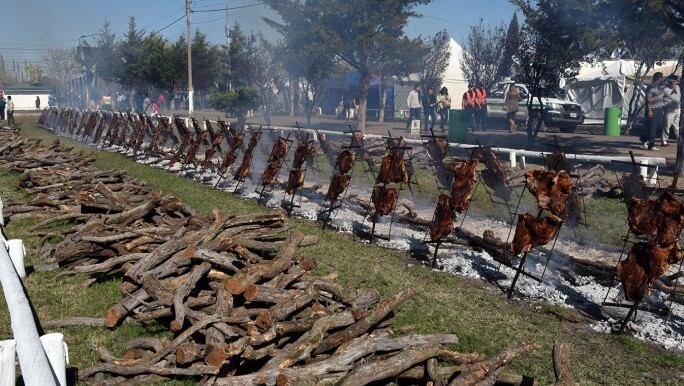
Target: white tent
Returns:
[453, 76]
[608, 83]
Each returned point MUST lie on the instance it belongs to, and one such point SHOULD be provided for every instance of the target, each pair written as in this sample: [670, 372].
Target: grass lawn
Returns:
[481, 316]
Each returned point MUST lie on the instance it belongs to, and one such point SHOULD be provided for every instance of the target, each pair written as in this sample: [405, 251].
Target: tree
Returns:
[674, 16]
[436, 60]
[33, 72]
[130, 52]
[106, 58]
[158, 66]
[557, 35]
[484, 56]
[61, 66]
[401, 58]
[237, 102]
[353, 30]
[3, 70]
[510, 48]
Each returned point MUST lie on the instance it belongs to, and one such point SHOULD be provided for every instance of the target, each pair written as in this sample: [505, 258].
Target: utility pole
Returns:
[188, 39]
[230, 81]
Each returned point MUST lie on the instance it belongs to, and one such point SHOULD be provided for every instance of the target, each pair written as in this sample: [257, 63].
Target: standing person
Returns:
[443, 105]
[37, 102]
[429, 107]
[10, 111]
[339, 110]
[511, 106]
[161, 101]
[468, 104]
[671, 99]
[3, 104]
[146, 104]
[654, 111]
[155, 108]
[480, 107]
[414, 104]
[353, 109]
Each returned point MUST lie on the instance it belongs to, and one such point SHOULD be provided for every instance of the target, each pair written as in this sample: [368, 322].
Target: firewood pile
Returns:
[237, 292]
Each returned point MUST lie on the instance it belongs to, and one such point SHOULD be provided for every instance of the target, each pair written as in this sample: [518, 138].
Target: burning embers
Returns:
[660, 221]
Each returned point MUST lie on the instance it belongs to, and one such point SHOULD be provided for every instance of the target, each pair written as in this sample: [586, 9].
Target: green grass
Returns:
[480, 315]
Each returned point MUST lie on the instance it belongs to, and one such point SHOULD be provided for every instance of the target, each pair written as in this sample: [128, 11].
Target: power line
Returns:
[227, 9]
[169, 25]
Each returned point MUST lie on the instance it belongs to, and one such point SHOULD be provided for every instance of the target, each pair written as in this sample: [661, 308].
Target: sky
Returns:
[30, 27]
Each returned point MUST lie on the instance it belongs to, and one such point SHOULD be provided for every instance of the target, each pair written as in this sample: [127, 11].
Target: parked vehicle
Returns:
[560, 112]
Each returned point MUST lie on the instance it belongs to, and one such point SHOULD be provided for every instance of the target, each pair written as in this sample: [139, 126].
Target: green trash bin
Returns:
[458, 125]
[612, 121]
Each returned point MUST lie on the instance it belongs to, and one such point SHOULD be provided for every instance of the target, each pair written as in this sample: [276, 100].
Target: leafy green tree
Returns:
[484, 55]
[130, 53]
[400, 58]
[436, 61]
[510, 48]
[353, 30]
[237, 102]
[557, 35]
[106, 59]
[158, 66]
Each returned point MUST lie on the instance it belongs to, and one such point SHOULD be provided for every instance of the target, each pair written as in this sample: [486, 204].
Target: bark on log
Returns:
[561, 365]
[481, 370]
[183, 291]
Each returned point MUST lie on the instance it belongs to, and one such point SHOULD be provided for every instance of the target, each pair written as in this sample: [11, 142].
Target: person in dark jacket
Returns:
[430, 108]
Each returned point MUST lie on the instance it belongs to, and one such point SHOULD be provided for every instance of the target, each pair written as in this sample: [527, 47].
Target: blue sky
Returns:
[31, 26]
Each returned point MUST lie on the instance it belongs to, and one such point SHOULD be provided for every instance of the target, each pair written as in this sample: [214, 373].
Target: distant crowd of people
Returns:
[424, 108]
[662, 111]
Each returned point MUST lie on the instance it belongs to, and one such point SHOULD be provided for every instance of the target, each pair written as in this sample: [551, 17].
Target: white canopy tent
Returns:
[608, 83]
[453, 76]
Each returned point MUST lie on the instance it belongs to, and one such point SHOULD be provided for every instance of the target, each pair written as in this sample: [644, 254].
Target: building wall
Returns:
[27, 102]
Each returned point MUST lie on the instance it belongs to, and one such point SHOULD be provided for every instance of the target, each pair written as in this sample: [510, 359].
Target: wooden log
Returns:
[264, 271]
[131, 215]
[155, 258]
[284, 309]
[110, 263]
[197, 273]
[561, 365]
[391, 367]
[115, 314]
[146, 342]
[479, 371]
[188, 353]
[215, 342]
[194, 370]
[263, 294]
[364, 324]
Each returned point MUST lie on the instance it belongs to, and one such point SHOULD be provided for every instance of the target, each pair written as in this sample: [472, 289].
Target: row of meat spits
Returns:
[239, 297]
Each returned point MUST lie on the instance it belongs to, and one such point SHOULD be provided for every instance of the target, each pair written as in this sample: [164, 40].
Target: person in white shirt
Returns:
[10, 111]
[415, 106]
[672, 99]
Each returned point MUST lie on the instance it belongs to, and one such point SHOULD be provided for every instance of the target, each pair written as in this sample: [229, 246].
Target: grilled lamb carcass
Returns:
[243, 170]
[337, 186]
[275, 162]
[660, 221]
[444, 218]
[633, 185]
[384, 199]
[345, 161]
[437, 149]
[645, 264]
[494, 175]
[551, 189]
[231, 154]
[557, 162]
[531, 232]
[295, 181]
[279, 150]
[465, 177]
[303, 152]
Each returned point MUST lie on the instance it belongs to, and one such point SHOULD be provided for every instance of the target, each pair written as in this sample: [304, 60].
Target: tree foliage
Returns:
[237, 102]
[353, 30]
[556, 37]
[510, 48]
[484, 55]
[436, 60]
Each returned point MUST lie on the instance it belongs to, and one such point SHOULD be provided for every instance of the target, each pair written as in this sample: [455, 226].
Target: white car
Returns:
[561, 113]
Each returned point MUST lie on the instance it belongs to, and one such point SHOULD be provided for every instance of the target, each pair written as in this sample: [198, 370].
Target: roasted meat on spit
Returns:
[303, 152]
[345, 161]
[437, 149]
[337, 186]
[633, 185]
[645, 264]
[557, 162]
[551, 189]
[295, 181]
[494, 174]
[275, 161]
[444, 218]
[465, 177]
[231, 154]
[659, 220]
[384, 199]
[243, 170]
[393, 168]
[531, 232]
